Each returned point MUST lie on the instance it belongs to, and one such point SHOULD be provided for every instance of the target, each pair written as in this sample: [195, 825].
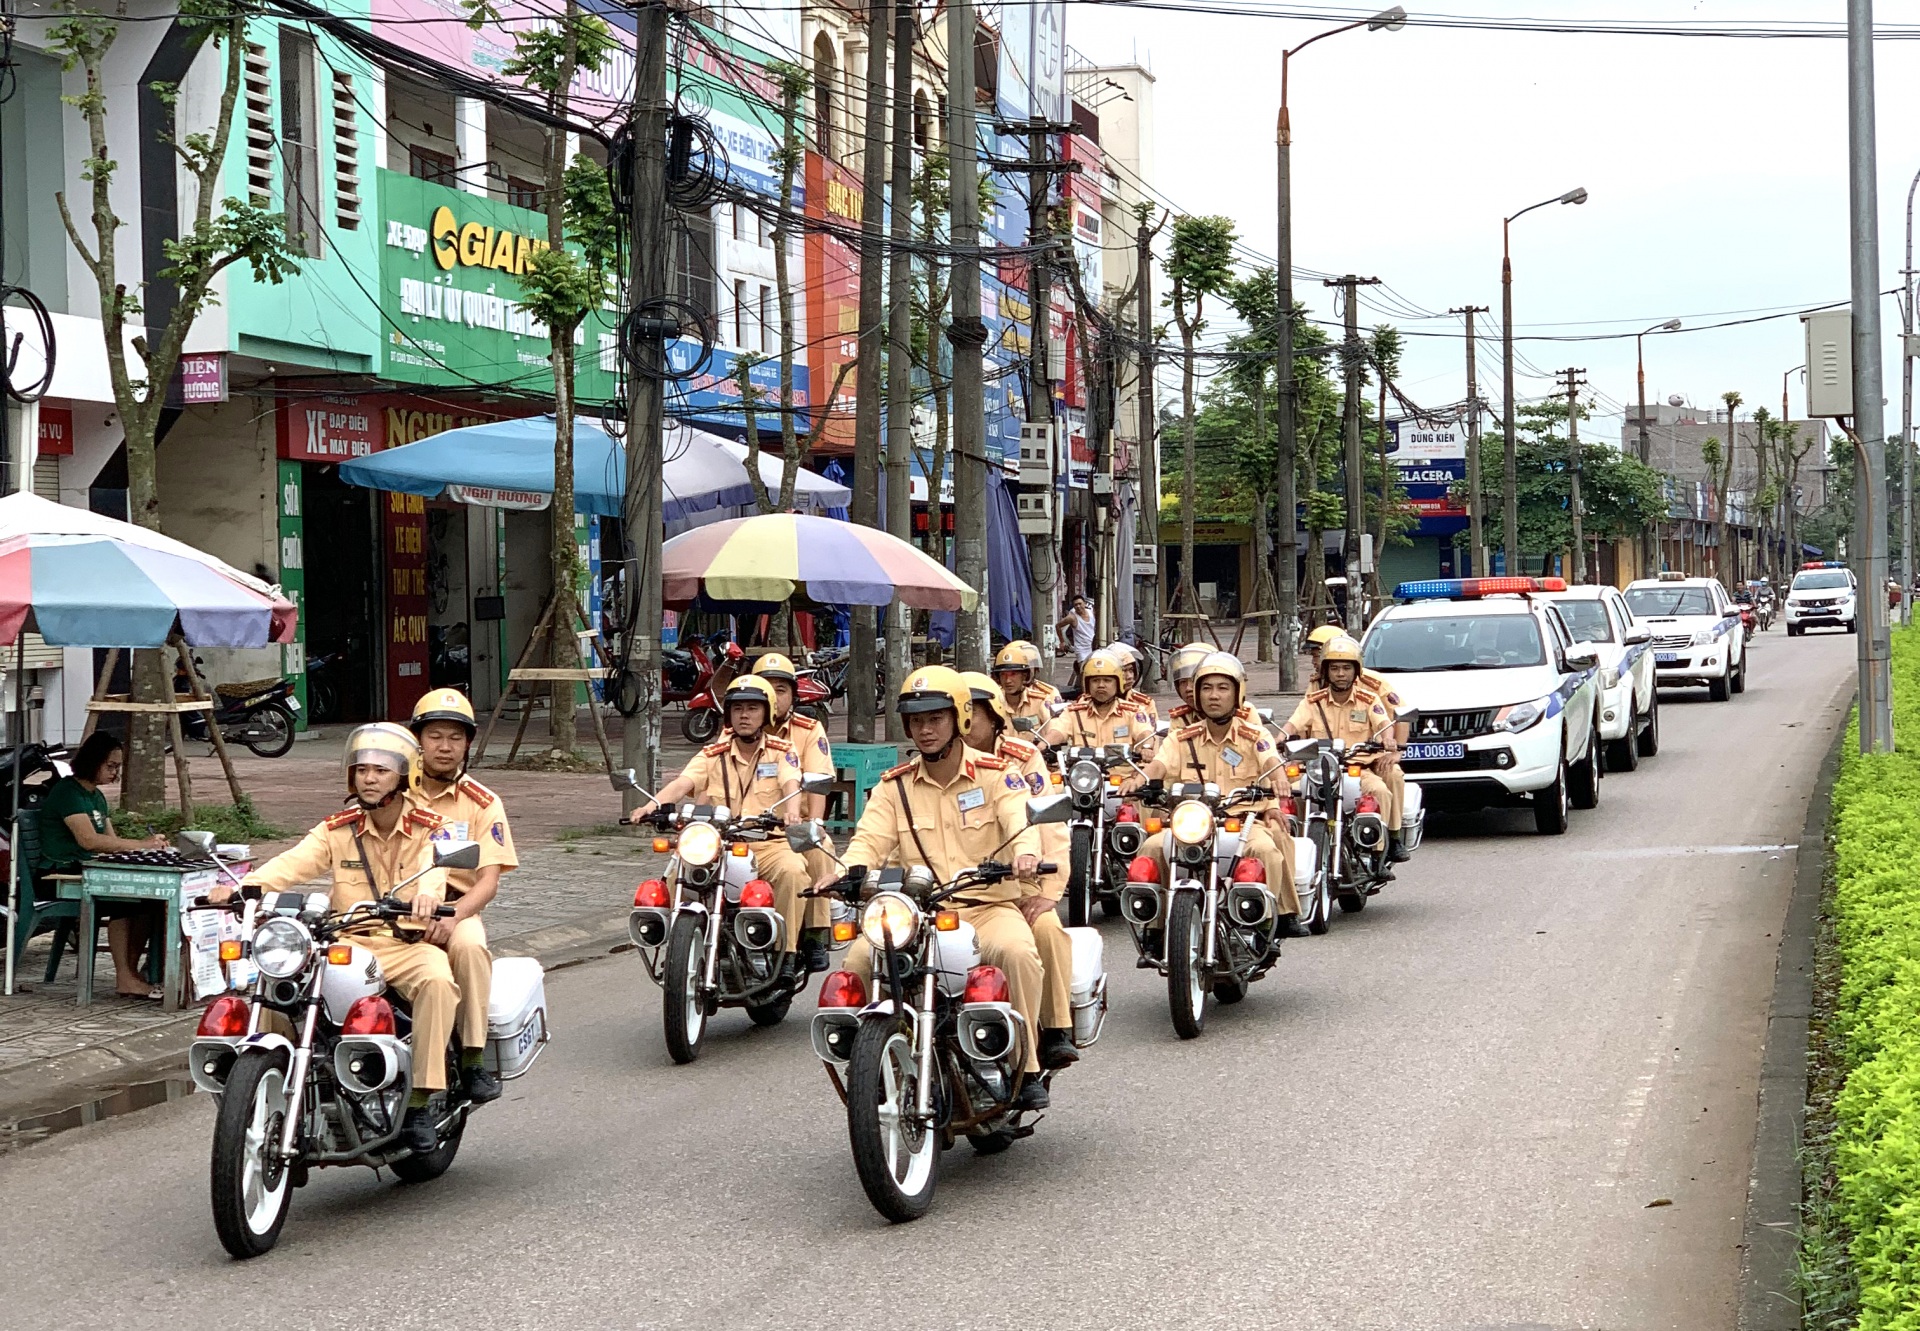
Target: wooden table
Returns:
[173, 887]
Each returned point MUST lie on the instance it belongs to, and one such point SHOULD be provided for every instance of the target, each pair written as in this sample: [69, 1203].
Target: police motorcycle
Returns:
[1212, 926]
[1344, 825]
[1104, 829]
[335, 1091]
[927, 1047]
[707, 931]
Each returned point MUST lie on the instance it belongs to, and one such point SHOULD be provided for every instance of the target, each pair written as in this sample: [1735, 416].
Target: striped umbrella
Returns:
[770, 557]
[79, 579]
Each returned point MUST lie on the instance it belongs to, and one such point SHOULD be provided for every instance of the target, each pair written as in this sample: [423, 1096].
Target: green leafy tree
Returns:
[1620, 496]
[1199, 264]
[222, 231]
[563, 284]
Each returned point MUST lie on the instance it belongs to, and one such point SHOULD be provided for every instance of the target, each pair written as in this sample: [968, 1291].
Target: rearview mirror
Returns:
[1026, 724]
[805, 836]
[456, 854]
[1636, 636]
[818, 783]
[1265, 714]
[1583, 654]
[1049, 809]
[624, 779]
[193, 845]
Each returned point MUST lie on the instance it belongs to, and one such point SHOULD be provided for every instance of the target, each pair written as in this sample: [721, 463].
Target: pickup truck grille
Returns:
[1673, 641]
[1451, 725]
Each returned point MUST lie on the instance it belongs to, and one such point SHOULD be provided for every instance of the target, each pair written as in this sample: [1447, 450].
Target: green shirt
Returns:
[64, 798]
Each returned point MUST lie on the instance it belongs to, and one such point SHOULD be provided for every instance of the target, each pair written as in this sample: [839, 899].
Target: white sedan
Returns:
[1629, 700]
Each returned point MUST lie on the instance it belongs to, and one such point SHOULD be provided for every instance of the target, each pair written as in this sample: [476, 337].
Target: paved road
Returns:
[1451, 1112]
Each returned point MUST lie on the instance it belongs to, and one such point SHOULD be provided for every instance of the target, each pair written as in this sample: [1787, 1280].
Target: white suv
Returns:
[1698, 637]
[1504, 702]
[1822, 594]
[1629, 700]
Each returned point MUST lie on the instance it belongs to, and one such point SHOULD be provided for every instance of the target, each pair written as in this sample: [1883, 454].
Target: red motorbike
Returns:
[811, 697]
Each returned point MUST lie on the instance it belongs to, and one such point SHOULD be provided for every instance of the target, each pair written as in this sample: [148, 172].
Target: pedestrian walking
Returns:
[1076, 630]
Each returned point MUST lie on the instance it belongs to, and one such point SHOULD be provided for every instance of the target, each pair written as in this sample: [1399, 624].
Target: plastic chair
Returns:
[61, 917]
[860, 767]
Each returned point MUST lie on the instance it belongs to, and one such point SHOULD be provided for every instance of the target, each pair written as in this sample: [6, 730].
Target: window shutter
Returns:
[346, 154]
[259, 94]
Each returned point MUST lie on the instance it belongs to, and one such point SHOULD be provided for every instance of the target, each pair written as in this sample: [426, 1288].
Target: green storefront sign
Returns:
[293, 578]
[450, 293]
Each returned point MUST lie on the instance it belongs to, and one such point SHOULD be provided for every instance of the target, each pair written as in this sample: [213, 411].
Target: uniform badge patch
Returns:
[499, 837]
[1014, 782]
[1037, 783]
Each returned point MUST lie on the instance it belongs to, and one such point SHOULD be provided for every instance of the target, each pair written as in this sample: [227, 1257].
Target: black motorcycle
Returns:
[258, 714]
[40, 766]
[1103, 831]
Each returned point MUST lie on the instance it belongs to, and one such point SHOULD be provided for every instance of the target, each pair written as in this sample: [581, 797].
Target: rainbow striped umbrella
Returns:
[770, 557]
[83, 580]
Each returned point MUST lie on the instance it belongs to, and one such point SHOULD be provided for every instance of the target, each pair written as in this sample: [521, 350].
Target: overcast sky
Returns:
[1716, 170]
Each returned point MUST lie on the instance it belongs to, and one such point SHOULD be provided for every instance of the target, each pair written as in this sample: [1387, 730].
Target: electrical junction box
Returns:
[1036, 454]
[1829, 363]
[1102, 485]
[1035, 512]
[1146, 560]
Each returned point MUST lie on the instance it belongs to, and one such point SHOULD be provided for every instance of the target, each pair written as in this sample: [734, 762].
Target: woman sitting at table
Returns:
[74, 825]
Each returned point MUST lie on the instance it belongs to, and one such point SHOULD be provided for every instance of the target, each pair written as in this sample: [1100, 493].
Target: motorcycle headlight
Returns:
[889, 920]
[1518, 717]
[281, 947]
[1192, 823]
[1084, 778]
[699, 844]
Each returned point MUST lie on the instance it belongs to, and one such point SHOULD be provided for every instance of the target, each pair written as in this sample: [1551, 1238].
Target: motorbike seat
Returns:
[245, 689]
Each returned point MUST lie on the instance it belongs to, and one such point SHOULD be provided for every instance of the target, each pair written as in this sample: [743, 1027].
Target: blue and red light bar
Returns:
[1824, 563]
[1469, 589]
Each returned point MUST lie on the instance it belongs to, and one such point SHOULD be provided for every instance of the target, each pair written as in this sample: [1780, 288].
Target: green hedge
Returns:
[1876, 821]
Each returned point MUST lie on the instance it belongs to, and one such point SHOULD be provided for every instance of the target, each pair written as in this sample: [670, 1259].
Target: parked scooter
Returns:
[703, 719]
[258, 714]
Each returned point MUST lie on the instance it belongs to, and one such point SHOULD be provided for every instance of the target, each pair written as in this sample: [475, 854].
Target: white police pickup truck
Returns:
[1822, 593]
[1697, 633]
[1629, 700]
[1507, 703]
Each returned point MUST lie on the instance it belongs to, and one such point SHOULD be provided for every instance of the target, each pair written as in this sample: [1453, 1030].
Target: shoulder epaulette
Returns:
[1046, 690]
[802, 720]
[1142, 699]
[341, 819]
[989, 762]
[778, 745]
[1018, 748]
[1317, 695]
[1193, 731]
[476, 792]
[424, 820]
[1180, 712]
[1080, 705]
[902, 770]
[715, 749]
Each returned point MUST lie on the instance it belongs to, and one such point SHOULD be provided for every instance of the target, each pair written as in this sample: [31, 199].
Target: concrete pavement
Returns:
[1453, 1111]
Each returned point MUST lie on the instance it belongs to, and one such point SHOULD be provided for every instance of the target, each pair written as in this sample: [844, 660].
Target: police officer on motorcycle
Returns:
[1342, 708]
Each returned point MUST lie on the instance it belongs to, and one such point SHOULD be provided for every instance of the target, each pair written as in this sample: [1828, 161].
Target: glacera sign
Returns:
[450, 291]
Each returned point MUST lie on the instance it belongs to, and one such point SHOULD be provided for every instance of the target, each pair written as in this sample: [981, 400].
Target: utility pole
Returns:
[865, 509]
[1869, 426]
[1476, 521]
[1286, 549]
[1040, 171]
[900, 346]
[646, 395]
[1356, 479]
[1574, 384]
[1147, 450]
[1906, 419]
[968, 335]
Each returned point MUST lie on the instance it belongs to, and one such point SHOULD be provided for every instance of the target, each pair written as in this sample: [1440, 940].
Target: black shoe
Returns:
[417, 1134]
[1289, 926]
[813, 952]
[1033, 1095]
[790, 967]
[479, 1085]
[1056, 1050]
[1398, 853]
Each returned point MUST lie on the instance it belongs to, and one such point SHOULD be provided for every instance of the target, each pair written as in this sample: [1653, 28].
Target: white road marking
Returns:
[1670, 852]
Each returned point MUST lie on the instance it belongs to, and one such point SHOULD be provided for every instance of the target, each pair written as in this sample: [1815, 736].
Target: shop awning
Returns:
[509, 464]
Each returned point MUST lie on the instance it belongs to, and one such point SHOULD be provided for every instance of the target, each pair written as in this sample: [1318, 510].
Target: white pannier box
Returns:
[1089, 987]
[516, 1016]
[1305, 861]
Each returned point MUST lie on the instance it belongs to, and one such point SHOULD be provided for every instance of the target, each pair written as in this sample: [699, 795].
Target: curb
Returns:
[1770, 1234]
[73, 1078]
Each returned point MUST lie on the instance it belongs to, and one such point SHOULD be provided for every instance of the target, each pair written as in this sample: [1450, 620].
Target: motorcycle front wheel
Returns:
[683, 1009]
[1316, 912]
[1080, 878]
[897, 1158]
[700, 725]
[1186, 977]
[269, 731]
[251, 1188]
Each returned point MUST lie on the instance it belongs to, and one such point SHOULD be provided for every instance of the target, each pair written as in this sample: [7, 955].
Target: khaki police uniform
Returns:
[749, 785]
[428, 977]
[1358, 718]
[910, 818]
[1146, 704]
[1049, 934]
[1236, 758]
[1397, 708]
[468, 811]
[815, 751]
[1121, 722]
[1036, 704]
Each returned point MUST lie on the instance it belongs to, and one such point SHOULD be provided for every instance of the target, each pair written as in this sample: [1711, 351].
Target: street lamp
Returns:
[1511, 513]
[1651, 544]
[1286, 556]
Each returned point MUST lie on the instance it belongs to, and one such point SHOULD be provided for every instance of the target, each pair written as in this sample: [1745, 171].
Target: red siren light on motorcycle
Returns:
[371, 1015]
[225, 1016]
[1249, 870]
[652, 892]
[843, 989]
[1143, 870]
[757, 894]
[1285, 807]
[986, 984]
[1128, 814]
[1367, 804]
